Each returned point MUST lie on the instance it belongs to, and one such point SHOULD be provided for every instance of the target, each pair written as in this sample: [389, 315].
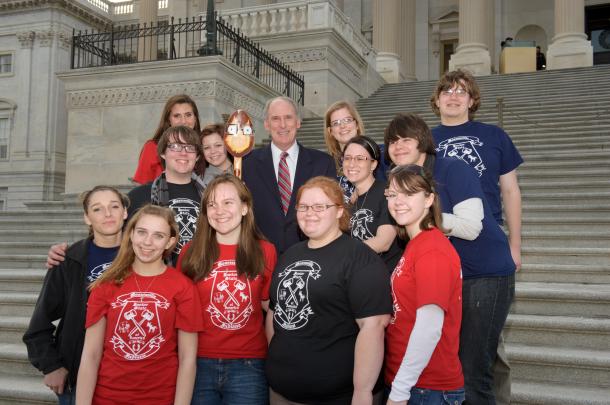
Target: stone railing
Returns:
[123, 8]
[295, 16]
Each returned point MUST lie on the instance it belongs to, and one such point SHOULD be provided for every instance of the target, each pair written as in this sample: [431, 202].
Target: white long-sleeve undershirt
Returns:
[423, 340]
[466, 221]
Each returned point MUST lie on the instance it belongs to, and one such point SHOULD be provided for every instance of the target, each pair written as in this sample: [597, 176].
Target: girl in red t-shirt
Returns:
[179, 110]
[142, 322]
[232, 265]
[421, 361]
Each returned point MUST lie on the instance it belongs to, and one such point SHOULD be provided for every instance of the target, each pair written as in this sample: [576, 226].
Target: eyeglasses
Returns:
[338, 123]
[315, 207]
[179, 147]
[357, 158]
[460, 92]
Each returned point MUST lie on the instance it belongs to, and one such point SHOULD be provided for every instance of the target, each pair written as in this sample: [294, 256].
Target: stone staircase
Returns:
[558, 333]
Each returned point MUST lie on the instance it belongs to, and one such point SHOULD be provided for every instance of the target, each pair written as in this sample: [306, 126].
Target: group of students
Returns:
[398, 291]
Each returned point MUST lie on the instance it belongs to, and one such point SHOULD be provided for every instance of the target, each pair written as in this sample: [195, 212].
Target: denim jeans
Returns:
[230, 382]
[67, 398]
[485, 305]
[425, 396]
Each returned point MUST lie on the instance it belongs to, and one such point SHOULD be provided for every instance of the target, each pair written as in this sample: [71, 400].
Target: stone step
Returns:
[562, 299]
[560, 365]
[564, 273]
[582, 223]
[11, 222]
[569, 197]
[565, 211]
[12, 328]
[11, 261]
[14, 357]
[537, 165]
[28, 248]
[571, 174]
[565, 255]
[568, 156]
[17, 303]
[560, 145]
[49, 236]
[558, 331]
[558, 185]
[24, 390]
[594, 239]
[540, 393]
[43, 215]
[22, 280]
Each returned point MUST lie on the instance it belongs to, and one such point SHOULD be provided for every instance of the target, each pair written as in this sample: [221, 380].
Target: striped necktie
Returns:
[283, 182]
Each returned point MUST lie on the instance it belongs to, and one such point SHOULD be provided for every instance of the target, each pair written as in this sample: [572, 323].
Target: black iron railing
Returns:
[194, 38]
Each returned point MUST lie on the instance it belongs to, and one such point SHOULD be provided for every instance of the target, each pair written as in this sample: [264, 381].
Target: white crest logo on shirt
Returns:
[359, 223]
[187, 212]
[396, 273]
[230, 298]
[293, 309]
[463, 148]
[97, 271]
[137, 333]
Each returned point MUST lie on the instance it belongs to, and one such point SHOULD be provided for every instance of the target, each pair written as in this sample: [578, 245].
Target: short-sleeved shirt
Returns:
[489, 254]
[149, 164]
[316, 296]
[98, 260]
[368, 213]
[487, 149]
[140, 360]
[428, 273]
[233, 325]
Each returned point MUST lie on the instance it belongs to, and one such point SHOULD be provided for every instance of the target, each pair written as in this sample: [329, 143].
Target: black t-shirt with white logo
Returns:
[316, 296]
[370, 212]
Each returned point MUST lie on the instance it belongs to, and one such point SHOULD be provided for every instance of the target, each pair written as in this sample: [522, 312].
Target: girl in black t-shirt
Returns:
[330, 302]
[370, 220]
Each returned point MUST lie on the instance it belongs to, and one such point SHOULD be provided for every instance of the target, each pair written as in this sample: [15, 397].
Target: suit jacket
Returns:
[259, 175]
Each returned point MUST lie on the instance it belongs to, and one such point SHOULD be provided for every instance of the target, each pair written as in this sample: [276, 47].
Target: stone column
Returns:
[406, 38]
[147, 14]
[385, 39]
[472, 52]
[570, 47]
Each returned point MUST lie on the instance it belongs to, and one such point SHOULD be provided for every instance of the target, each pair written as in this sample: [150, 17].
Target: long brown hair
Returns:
[412, 179]
[199, 259]
[333, 191]
[85, 199]
[331, 143]
[167, 109]
[121, 265]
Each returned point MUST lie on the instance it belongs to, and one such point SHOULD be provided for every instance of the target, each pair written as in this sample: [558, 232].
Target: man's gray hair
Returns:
[283, 98]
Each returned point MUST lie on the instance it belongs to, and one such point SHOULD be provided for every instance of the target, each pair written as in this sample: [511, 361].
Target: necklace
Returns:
[366, 194]
[147, 289]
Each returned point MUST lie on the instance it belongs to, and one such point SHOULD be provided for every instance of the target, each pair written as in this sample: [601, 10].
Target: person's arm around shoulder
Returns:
[511, 200]
[56, 255]
[90, 362]
[368, 356]
[187, 366]
[466, 219]
[383, 238]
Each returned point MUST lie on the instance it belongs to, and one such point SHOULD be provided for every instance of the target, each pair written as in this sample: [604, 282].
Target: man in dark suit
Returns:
[275, 172]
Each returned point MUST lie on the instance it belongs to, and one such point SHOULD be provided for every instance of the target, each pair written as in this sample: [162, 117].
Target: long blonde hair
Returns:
[121, 266]
[331, 143]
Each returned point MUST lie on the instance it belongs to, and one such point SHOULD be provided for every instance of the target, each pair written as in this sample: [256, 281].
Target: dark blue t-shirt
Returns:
[489, 254]
[98, 260]
[487, 148]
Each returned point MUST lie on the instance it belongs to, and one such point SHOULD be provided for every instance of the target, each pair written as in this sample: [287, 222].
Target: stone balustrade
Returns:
[122, 9]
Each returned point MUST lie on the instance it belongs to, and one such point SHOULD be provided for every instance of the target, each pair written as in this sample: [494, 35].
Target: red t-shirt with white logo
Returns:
[140, 360]
[429, 272]
[233, 323]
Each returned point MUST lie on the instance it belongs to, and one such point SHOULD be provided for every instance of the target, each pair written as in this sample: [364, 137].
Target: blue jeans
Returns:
[485, 305]
[425, 396]
[230, 382]
[67, 398]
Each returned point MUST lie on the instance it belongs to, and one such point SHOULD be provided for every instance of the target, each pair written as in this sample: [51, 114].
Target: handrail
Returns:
[167, 41]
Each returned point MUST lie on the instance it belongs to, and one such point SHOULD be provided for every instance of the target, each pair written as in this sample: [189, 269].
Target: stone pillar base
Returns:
[472, 57]
[569, 50]
[389, 66]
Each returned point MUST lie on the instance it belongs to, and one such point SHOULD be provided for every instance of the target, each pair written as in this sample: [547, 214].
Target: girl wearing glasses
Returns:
[370, 220]
[421, 360]
[342, 123]
[142, 322]
[178, 110]
[231, 264]
[330, 303]
[218, 161]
